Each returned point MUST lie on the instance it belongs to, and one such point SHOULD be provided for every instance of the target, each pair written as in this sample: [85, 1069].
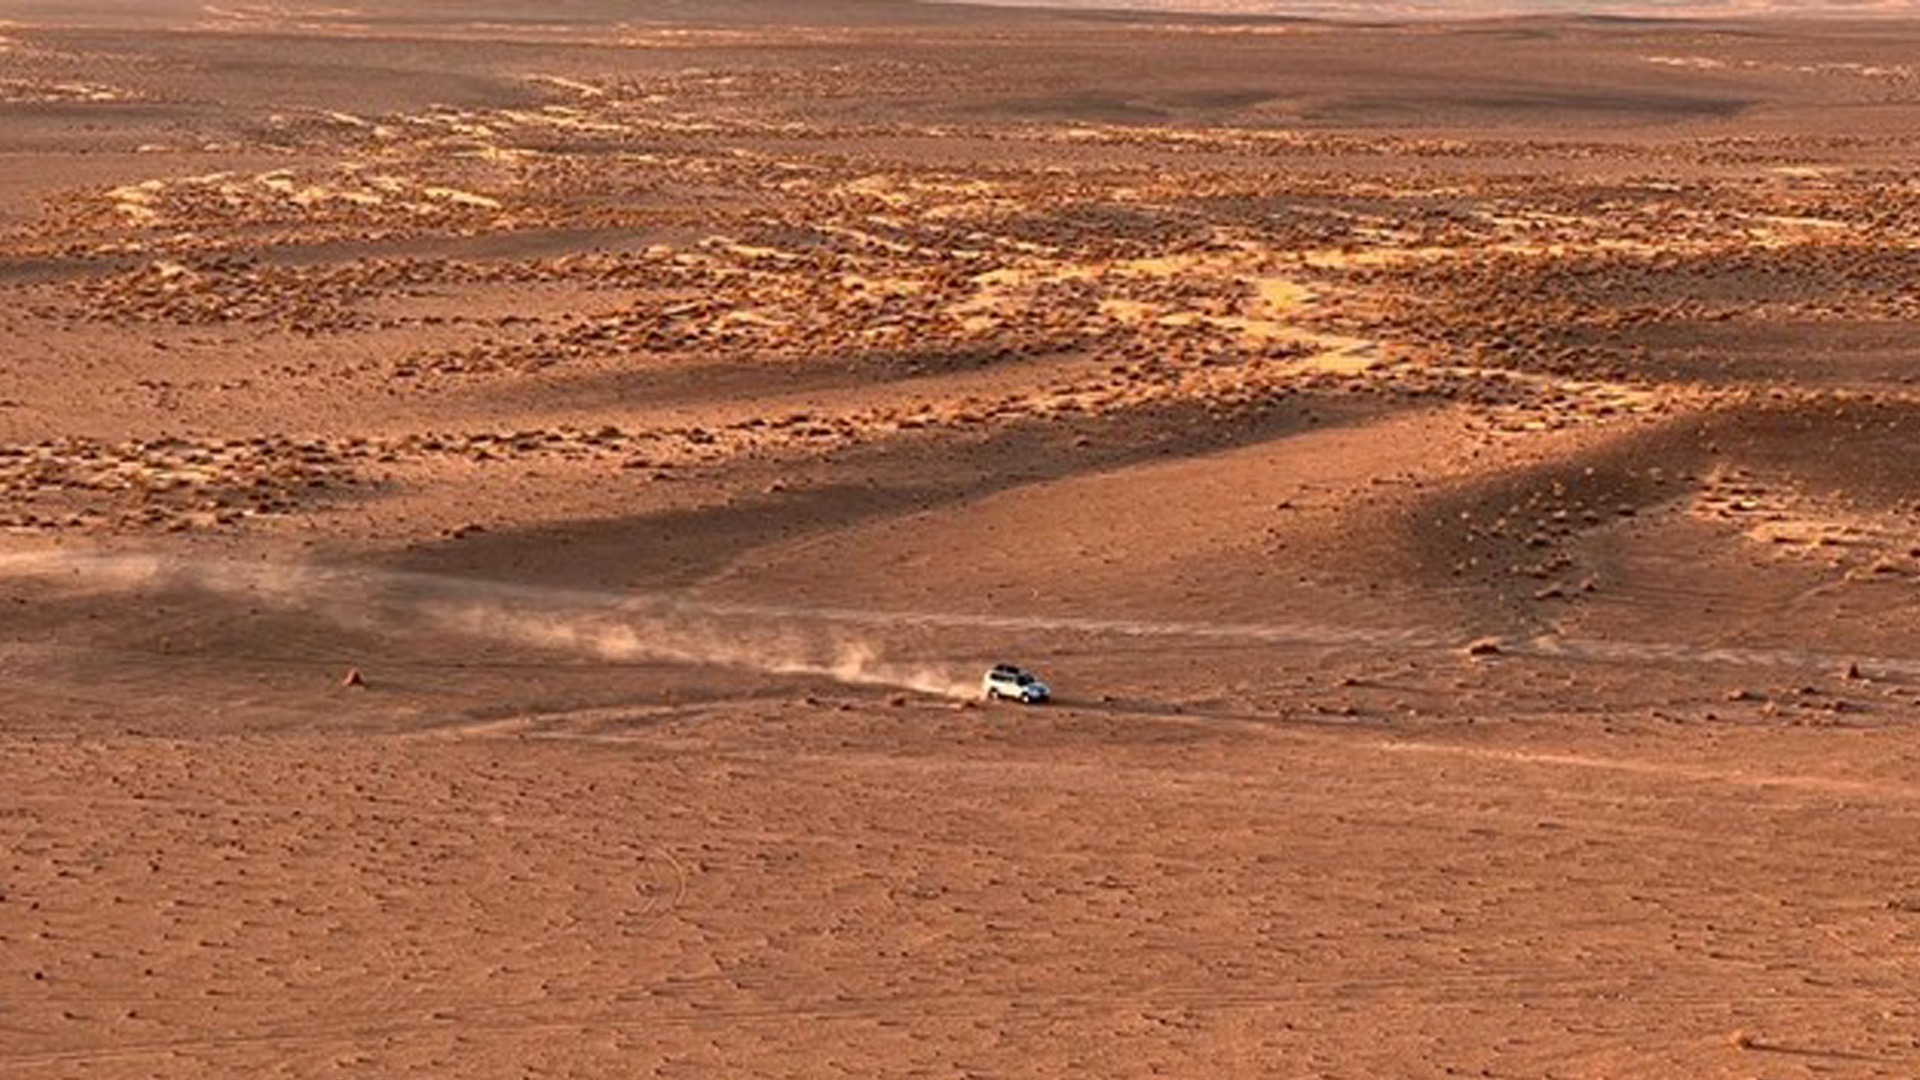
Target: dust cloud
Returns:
[615, 627]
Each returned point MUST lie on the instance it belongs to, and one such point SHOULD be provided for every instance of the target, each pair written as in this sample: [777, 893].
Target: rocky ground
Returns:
[502, 517]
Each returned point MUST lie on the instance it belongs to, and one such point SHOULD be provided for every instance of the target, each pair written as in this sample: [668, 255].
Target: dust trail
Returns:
[830, 643]
[606, 626]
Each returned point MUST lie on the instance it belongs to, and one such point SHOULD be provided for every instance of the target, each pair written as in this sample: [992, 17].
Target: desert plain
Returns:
[504, 508]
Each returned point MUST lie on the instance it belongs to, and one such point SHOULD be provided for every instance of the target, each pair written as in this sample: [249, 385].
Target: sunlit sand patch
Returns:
[274, 195]
[1530, 220]
[278, 12]
[501, 155]
[1894, 72]
[461, 198]
[879, 187]
[1355, 257]
[1774, 230]
[882, 286]
[1377, 244]
[706, 38]
[562, 118]
[731, 246]
[1014, 277]
[1284, 295]
[256, 18]
[750, 317]
[863, 237]
[1244, 139]
[1389, 256]
[315, 195]
[1851, 68]
[34, 91]
[359, 123]
[1232, 30]
[1341, 355]
[456, 121]
[1127, 311]
[584, 89]
[135, 201]
[1702, 63]
[938, 196]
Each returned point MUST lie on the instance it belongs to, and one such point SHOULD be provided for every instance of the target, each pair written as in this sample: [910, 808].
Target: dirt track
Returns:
[1455, 477]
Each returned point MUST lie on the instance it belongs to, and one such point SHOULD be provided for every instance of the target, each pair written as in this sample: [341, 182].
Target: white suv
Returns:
[1008, 681]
